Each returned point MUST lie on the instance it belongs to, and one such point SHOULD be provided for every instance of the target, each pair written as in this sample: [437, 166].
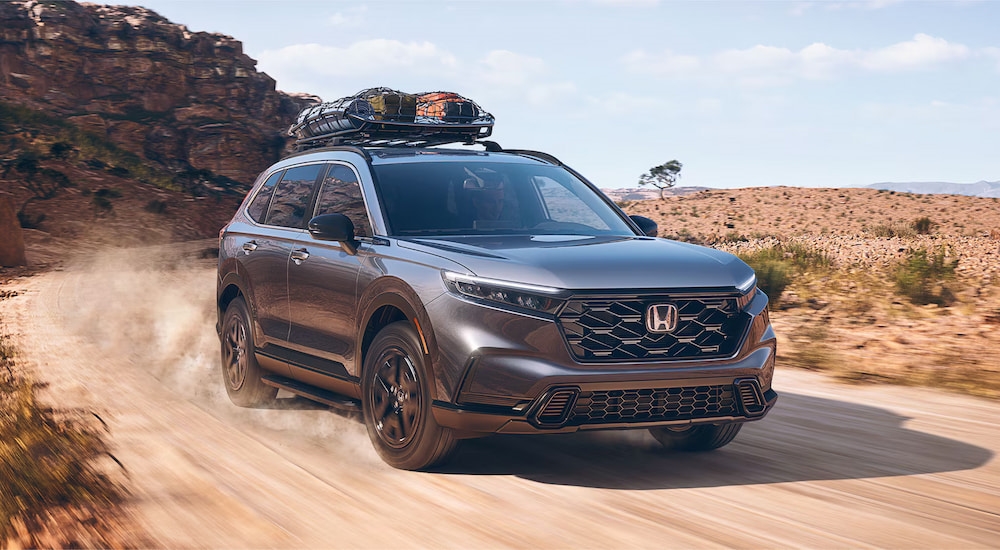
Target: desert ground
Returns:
[884, 435]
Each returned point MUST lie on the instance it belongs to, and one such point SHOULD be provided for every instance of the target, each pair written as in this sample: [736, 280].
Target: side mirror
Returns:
[334, 227]
[646, 225]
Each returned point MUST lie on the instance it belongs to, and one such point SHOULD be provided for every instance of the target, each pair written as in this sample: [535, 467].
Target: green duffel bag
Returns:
[393, 106]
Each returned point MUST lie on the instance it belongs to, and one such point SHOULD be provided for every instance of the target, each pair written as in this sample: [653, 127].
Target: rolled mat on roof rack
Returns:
[383, 116]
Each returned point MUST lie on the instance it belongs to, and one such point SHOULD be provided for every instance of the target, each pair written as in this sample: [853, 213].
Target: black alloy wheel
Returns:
[240, 371]
[395, 398]
[396, 402]
[705, 437]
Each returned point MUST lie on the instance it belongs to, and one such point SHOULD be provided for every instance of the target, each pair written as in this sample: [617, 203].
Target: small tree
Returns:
[663, 176]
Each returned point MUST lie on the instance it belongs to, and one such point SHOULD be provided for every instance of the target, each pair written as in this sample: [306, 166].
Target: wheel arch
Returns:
[231, 287]
[387, 301]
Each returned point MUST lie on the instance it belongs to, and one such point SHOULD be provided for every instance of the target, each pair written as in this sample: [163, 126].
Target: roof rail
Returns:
[351, 148]
[535, 154]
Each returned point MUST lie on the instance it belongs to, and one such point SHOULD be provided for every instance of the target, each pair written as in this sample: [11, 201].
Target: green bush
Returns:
[922, 277]
[887, 231]
[773, 276]
[778, 265]
[924, 225]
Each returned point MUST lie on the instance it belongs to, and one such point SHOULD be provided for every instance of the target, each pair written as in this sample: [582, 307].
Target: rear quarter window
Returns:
[258, 207]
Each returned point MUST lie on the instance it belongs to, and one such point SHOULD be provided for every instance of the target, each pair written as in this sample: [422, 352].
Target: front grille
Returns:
[651, 405]
[615, 329]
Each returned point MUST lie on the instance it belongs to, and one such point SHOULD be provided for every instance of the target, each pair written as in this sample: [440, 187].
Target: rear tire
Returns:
[705, 437]
[396, 402]
[240, 372]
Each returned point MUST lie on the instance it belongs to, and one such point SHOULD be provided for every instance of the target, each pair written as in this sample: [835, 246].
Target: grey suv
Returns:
[452, 293]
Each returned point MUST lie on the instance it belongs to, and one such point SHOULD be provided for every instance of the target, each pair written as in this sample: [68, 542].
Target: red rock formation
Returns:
[183, 99]
[11, 236]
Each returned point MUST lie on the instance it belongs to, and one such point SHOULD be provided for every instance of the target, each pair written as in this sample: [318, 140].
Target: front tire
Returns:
[706, 437]
[396, 402]
[240, 372]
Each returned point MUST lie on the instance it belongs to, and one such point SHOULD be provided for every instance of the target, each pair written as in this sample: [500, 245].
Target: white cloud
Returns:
[763, 65]
[364, 58]
[413, 66]
[921, 52]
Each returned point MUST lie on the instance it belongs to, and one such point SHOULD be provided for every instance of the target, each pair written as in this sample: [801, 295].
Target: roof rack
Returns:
[389, 118]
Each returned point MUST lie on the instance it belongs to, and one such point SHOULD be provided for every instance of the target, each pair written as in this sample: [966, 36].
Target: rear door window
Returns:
[292, 197]
[341, 194]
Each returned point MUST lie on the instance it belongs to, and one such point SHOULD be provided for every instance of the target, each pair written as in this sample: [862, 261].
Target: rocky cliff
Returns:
[186, 100]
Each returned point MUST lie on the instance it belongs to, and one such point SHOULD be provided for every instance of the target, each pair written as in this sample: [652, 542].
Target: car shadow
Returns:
[803, 438]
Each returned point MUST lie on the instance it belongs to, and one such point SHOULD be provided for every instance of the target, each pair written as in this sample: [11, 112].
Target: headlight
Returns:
[520, 296]
[743, 301]
[749, 290]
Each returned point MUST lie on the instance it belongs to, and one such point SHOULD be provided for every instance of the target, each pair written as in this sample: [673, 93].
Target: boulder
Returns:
[11, 236]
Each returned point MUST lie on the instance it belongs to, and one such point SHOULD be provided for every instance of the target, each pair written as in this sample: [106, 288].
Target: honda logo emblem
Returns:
[661, 318]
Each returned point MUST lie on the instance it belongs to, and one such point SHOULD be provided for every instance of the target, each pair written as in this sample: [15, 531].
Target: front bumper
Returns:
[501, 373]
[566, 400]
[559, 411]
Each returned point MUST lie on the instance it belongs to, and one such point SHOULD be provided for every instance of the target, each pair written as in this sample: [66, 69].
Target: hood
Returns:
[577, 262]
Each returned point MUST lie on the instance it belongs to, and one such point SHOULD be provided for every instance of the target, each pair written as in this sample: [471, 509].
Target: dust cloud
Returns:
[153, 309]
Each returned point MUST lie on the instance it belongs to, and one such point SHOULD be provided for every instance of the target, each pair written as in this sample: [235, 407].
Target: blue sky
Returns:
[824, 94]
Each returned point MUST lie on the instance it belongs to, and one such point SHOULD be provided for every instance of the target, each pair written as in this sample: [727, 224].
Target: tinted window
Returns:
[341, 194]
[468, 197]
[292, 195]
[258, 207]
[562, 206]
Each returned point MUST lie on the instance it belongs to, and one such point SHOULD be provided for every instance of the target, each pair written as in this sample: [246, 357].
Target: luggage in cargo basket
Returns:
[446, 106]
[383, 116]
[391, 105]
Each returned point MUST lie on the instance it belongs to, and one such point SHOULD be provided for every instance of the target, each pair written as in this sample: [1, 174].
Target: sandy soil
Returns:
[832, 466]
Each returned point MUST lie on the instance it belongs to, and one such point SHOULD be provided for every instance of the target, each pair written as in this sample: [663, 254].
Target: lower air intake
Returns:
[556, 407]
[751, 397]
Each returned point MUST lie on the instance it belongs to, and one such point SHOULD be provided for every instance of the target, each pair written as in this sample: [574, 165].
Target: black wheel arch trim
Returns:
[394, 292]
[244, 288]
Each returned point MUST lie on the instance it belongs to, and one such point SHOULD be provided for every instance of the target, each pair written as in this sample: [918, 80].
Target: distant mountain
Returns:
[979, 189]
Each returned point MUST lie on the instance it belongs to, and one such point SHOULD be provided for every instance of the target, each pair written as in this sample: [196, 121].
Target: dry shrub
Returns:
[924, 225]
[50, 463]
[922, 277]
[779, 265]
[888, 231]
[810, 349]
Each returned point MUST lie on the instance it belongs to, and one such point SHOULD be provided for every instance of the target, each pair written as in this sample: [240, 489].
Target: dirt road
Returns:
[831, 466]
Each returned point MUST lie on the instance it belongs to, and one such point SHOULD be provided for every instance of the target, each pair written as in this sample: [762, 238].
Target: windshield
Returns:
[471, 197]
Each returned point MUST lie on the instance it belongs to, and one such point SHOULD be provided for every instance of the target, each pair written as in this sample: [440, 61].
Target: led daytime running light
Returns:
[520, 296]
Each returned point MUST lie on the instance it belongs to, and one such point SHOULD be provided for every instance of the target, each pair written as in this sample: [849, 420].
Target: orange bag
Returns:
[446, 106]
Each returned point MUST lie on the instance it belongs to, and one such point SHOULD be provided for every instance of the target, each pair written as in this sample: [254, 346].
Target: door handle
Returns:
[299, 254]
[249, 247]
